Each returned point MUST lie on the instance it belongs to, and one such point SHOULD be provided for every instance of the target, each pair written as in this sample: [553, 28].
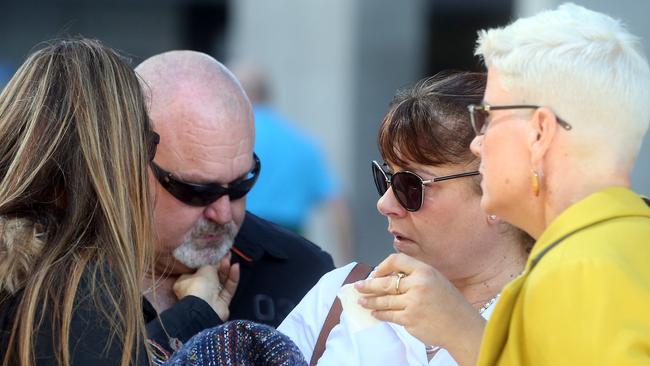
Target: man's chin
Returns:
[172, 267]
[180, 268]
[196, 261]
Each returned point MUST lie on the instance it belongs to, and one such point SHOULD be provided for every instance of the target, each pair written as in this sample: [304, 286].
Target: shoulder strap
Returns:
[359, 272]
[541, 255]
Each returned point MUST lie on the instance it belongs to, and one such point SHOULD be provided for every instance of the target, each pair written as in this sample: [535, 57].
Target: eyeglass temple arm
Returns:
[560, 121]
[460, 175]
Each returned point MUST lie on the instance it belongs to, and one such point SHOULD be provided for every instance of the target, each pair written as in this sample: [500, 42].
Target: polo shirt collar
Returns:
[253, 242]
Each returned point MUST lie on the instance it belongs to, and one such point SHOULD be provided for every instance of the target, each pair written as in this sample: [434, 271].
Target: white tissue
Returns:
[359, 317]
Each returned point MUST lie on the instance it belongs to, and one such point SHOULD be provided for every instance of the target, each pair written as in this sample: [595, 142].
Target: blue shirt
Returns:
[294, 177]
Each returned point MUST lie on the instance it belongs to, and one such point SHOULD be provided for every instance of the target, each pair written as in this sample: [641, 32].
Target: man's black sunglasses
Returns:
[408, 187]
[203, 194]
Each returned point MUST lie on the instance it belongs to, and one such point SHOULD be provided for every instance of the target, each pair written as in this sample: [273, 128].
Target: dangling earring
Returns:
[534, 183]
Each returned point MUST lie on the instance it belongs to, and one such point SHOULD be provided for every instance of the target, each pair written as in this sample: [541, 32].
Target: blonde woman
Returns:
[563, 117]
[75, 228]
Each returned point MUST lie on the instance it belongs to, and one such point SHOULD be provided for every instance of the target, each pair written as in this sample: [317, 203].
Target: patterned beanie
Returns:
[241, 343]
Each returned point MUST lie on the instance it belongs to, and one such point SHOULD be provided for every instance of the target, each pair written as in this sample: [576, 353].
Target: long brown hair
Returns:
[73, 169]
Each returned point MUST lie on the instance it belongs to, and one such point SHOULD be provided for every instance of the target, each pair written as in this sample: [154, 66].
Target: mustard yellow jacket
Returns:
[584, 299]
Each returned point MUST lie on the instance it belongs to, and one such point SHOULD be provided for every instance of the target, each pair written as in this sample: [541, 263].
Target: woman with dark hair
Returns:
[430, 195]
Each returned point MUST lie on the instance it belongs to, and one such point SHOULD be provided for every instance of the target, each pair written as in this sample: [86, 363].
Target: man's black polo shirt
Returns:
[278, 267]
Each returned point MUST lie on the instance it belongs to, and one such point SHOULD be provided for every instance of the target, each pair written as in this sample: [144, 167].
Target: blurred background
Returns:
[329, 70]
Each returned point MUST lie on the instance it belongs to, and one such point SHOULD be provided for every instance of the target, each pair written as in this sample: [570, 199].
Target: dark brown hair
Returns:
[429, 122]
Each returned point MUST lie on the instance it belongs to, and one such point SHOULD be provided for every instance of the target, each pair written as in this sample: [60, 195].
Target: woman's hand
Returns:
[426, 304]
[215, 284]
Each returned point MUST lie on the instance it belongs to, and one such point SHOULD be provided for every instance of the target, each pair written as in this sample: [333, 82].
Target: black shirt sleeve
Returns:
[187, 317]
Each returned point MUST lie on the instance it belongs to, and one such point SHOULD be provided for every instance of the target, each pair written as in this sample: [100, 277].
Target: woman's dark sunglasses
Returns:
[408, 187]
[203, 194]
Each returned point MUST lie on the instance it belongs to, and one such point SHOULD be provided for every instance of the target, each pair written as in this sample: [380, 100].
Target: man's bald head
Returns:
[206, 128]
[196, 101]
[180, 75]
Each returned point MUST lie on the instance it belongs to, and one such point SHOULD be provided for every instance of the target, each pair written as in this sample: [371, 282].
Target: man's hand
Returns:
[215, 284]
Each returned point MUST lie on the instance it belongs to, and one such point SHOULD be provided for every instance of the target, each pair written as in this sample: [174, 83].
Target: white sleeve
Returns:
[304, 323]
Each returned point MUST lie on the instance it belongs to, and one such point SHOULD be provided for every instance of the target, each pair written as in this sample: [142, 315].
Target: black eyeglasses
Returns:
[479, 113]
[203, 194]
[408, 187]
[153, 139]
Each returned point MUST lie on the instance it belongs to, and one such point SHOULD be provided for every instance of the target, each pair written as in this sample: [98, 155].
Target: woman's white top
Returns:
[382, 344]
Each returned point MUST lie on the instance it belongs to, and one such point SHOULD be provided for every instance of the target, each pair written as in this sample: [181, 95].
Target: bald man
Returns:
[203, 169]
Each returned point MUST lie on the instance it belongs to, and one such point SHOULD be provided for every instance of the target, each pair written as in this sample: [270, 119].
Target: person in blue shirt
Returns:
[296, 180]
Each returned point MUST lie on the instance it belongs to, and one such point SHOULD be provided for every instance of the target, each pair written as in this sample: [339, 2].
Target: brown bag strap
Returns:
[359, 272]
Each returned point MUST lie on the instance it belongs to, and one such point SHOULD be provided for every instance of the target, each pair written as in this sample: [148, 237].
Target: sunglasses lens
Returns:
[408, 190]
[380, 179]
[240, 189]
[194, 194]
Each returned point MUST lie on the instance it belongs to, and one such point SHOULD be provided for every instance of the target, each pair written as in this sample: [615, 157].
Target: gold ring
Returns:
[400, 275]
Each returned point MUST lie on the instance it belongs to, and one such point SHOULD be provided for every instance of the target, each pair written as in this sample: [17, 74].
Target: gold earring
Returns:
[534, 183]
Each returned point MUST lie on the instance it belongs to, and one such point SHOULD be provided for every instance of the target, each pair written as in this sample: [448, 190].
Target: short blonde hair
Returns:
[583, 65]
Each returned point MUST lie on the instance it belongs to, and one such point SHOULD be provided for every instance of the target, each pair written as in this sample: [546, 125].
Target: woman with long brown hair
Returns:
[429, 194]
[75, 227]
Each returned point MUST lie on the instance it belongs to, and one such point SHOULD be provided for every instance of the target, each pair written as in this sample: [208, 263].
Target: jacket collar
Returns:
[603, 205]
[258, 237]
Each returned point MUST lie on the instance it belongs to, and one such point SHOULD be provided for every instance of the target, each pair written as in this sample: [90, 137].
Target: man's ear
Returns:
[543, 127]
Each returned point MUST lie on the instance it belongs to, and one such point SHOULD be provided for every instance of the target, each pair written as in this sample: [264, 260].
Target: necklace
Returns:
[488, 304]
[432, 349]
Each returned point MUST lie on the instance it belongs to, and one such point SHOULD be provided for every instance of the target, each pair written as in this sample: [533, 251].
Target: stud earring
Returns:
[492, 217]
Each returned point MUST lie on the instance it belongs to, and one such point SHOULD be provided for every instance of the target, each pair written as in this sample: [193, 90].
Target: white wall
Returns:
[307, 48]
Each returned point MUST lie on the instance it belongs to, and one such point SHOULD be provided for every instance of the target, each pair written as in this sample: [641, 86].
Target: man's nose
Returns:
[219, 211]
